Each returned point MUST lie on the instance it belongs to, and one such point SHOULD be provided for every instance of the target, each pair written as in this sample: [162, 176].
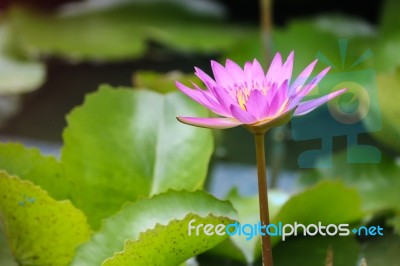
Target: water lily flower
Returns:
[253, 98]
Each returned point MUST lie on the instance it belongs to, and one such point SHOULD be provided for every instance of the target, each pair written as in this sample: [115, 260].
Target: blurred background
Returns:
[52, 53]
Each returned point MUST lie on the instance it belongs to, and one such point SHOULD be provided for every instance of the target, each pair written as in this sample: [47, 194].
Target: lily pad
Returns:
[39, 229]
[155, 231]
[17, 75]
[121, 30]
[30, 164]
[328, 202]
[123, 144]
[377, 184]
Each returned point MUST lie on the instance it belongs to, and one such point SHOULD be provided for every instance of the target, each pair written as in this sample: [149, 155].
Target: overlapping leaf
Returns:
[29, 164]
[40, 230]
[155, 231]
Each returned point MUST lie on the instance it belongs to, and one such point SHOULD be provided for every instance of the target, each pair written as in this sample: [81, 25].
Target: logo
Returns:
[344, 116]
[281, 230]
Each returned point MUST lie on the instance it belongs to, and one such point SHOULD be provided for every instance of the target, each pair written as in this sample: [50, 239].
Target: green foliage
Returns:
[248, 212]
[389, 111]
[383, 251]
[136, 150]
[162, 83]
[6, 258]
[387, 56]
[121, 31]
[155, 231]
[29, 164]
[377, 184]
[328, 202]
[17, 75]
[124, 145]
[34, 222]
[319, 39]
[313, 251]
[395, 222]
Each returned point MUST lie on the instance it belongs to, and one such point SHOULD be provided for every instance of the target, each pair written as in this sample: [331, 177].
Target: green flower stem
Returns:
[263, 198]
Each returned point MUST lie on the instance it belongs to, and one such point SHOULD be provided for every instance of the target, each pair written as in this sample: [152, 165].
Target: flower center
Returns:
[243, 94]
[242, 98]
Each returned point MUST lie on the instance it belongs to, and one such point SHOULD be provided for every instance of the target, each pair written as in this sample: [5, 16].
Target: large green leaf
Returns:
[121, 30]
[155, 231]
[123, 144]
[17, 75]
[40, 230]
[377, 184]
[29, 164]
[328, 202]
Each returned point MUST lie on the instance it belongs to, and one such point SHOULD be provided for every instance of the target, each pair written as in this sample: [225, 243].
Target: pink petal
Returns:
[194, 94]
[275, 67]
[256, 104]
[272, 92]
[287, 68]
[302, 77]
[235, 70]
[204, 77]
[242, 116]
[224, 99]
[212, 103]
[305, 91]
[257, 72]
[223, 78]
[279, 98]
[308, 106]
[219, 123]
[248, 68]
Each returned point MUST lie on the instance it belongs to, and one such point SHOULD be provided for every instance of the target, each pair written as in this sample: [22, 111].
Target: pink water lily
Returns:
[253, 98]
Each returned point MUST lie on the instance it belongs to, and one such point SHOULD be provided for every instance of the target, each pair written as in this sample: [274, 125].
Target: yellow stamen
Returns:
[241, 99]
